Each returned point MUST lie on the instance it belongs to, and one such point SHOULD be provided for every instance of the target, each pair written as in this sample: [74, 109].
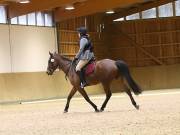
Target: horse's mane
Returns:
[72, 65]
[67, 59]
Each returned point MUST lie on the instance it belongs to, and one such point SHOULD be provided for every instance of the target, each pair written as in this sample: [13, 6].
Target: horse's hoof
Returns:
[97, 110]
[101, 110]
[137, 107]
[65, 111]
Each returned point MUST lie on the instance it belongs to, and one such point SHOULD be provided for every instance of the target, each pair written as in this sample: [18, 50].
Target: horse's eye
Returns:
[52, 60]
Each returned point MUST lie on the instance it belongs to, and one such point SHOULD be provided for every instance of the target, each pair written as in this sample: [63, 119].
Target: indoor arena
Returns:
[129, 85]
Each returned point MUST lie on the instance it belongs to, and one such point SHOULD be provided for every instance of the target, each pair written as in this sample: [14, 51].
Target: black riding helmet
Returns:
[82, 30]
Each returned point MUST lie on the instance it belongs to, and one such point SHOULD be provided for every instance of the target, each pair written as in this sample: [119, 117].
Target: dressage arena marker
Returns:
[102, 97]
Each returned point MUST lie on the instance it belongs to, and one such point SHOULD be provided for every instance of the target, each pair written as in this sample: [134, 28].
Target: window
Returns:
[150, 13]
[3, 14]
[22, 20]
[133, 16]
[14, 20]
[166, 10]
[32, 19]
[48, 19]
[177, 5]
[40, 19]
[119, 19]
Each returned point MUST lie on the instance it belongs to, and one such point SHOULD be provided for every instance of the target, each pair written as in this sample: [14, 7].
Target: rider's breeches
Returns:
[81, 64]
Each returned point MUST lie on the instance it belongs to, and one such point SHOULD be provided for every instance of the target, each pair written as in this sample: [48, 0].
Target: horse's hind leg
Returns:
[127, 90]
[108, 96]
[84, 94]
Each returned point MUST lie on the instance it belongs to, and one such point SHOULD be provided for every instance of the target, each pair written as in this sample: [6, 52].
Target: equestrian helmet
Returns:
[82, 30]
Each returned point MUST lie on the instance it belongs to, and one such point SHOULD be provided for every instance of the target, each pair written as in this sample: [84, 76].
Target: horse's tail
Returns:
[124, 71]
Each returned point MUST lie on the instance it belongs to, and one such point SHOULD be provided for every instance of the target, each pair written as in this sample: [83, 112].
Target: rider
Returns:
[84, 55]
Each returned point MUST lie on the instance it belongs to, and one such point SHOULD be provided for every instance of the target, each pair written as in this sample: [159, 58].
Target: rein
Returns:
[71, 64]
[68, 70]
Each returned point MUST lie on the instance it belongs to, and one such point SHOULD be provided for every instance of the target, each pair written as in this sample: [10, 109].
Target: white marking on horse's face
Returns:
[52, 60]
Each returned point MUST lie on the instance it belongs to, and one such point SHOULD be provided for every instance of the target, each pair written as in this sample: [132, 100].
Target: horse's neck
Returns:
[64, 64]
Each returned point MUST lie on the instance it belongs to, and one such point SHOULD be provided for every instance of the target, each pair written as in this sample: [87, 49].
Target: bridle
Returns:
[71, 64]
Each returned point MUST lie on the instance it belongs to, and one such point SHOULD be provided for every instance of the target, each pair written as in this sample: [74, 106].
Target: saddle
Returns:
[89, 68]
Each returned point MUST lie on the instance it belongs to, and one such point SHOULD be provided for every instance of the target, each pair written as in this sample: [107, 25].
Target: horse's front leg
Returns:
[84, 94]
[108, 95]
[71, 94]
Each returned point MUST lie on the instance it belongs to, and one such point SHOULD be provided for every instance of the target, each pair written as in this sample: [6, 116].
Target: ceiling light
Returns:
[119, 19]
[69, 8]
[110, 12]
[24, 1]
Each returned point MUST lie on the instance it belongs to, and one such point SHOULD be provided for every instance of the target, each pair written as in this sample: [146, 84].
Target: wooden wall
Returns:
[68, 37]
[139, 42]
[17, 87]
[146, 42]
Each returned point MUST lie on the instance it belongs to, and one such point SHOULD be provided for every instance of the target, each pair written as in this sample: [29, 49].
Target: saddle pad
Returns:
[90, 68]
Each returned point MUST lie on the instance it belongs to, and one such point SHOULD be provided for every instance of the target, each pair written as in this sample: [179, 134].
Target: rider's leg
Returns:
[80, 72]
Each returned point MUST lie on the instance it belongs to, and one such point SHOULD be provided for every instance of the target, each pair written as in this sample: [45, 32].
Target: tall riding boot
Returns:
[82, 78]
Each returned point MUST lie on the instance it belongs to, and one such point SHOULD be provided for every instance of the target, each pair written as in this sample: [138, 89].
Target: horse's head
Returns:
[52, 64]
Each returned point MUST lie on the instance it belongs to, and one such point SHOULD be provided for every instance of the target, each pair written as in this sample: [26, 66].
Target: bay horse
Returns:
[105, 72]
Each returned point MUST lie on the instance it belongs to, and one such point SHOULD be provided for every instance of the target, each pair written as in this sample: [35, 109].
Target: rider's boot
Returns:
[82, 79]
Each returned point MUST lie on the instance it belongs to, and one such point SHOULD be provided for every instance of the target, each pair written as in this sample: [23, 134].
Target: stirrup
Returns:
[83, 85]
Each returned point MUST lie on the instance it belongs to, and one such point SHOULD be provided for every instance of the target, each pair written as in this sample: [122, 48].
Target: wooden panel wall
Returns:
[68, 36]
[19, 87]
[139, 42]
[158, 37]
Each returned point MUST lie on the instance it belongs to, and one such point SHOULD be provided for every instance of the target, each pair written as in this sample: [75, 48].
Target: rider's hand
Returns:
[74, 60]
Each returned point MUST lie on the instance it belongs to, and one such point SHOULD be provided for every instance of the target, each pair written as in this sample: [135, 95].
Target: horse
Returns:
[106, 70]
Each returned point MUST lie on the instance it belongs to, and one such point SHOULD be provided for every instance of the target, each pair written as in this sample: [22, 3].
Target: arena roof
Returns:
[82, 7]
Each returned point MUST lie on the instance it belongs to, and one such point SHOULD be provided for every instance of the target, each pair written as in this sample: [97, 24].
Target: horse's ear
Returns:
[50, 53]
